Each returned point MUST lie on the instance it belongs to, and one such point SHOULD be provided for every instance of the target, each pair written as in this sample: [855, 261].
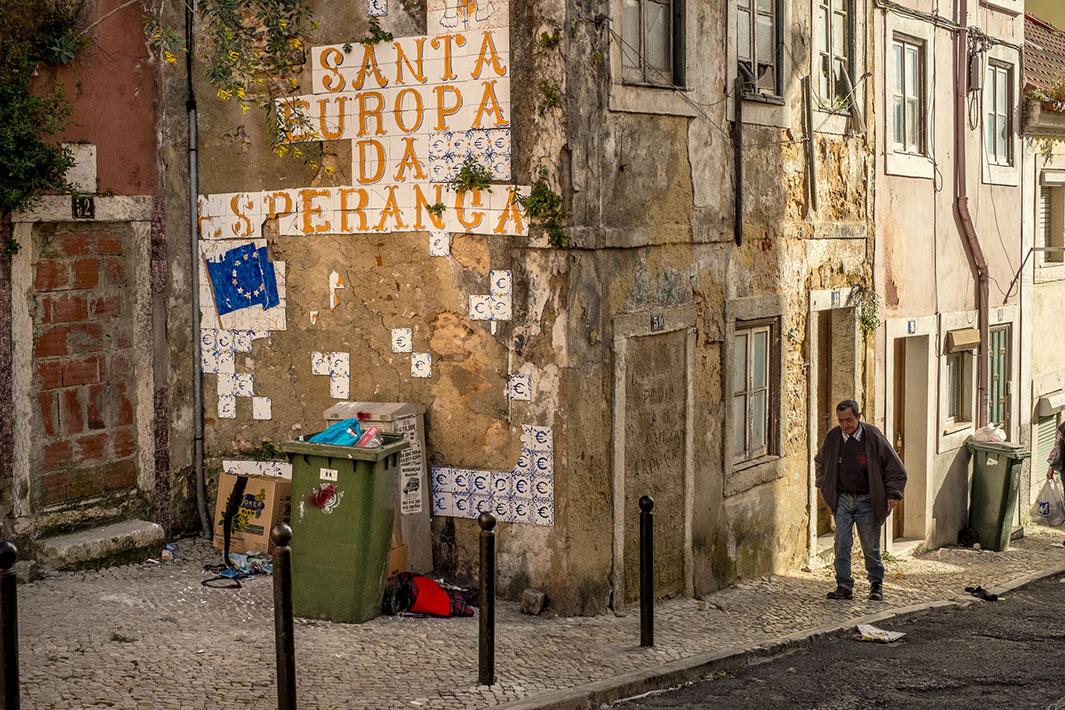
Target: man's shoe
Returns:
[876, 592]
[841, 592]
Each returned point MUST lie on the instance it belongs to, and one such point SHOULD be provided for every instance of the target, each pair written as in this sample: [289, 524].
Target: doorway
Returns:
[910, 408]
[833, 376]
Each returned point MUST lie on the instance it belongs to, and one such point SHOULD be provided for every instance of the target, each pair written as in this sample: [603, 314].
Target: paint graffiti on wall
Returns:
[525, 494]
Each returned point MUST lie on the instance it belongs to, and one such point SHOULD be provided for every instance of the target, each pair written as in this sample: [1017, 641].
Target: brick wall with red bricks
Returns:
[85, 438]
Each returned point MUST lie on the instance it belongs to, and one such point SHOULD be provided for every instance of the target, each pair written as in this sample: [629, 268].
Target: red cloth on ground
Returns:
[431, 599]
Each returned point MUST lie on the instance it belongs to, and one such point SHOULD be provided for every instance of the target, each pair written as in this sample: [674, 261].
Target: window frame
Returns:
[645, 75]
[960, 365]
[776, 95]
[998, 70]
[920, 142]
[828, 49]
[748, 329]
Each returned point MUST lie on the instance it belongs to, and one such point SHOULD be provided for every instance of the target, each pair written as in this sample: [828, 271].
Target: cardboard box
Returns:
[266, 502]
[397, 561]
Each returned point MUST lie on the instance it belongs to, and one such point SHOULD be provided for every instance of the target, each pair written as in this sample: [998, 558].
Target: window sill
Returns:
[751, 463]
[652, 99]
[748, 474]
[1047, 273]
[953, 428]
[652, 85]
[1007, 175]
[908, 165]
[765, 99]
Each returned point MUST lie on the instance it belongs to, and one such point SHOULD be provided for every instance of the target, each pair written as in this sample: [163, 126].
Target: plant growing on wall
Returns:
[867, 307]
[33, 36]
[544, 205]
[256, 48]
[376, 34]
[471, 176]
[436, 209]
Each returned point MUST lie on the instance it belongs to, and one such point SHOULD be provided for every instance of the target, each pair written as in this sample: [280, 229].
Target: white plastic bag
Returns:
[1049, 509]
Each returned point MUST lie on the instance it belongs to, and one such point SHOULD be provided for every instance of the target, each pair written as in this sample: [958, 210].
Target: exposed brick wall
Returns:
[85, 443]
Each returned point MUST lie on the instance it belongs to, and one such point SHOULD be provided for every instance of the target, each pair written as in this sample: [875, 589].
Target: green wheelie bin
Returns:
[996, 476]
[343, 506]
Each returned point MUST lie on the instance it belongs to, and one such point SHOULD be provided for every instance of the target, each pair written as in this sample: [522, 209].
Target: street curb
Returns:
[669, 675]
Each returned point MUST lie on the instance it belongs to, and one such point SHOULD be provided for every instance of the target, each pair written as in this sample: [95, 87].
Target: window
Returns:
[998, 125]
[1051, 226]
[1046, 429]
[833, 29]
[959, 388]
[760, 45]
[652, 48]
[753, 398]
[907, 96]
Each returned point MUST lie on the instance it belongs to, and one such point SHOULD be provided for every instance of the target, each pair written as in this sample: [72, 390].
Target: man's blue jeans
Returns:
[854, 510]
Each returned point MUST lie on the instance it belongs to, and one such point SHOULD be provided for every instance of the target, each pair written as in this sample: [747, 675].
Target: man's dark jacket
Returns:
[887, 475]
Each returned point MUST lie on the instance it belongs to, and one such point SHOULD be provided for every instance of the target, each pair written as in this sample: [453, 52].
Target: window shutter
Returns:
[1044, 438]
[1044, 216]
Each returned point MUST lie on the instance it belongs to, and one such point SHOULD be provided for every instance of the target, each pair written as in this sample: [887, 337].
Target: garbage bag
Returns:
[1049, 509]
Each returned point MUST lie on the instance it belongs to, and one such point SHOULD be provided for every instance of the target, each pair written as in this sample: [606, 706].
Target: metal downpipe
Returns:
[194, 275]
[961, 207]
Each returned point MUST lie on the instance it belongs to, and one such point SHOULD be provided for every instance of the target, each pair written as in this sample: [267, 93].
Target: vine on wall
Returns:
[33, 35]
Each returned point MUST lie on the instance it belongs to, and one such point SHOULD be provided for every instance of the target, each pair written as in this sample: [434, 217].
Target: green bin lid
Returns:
[390, 444]
[999, 447]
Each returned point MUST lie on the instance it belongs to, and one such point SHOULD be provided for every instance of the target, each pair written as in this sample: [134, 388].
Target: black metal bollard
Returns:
[486, 673]
[9, 680]
[284, 632]
[647, 572]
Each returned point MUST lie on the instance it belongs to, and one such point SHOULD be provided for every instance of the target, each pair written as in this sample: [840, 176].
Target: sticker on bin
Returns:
[327, 474]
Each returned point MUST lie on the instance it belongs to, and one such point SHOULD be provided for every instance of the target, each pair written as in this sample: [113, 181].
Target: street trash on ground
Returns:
[868, 632]
[240, 567]
[418, 596]
[1049, 509]
[167, 555]
[982, 593]
[990, 433]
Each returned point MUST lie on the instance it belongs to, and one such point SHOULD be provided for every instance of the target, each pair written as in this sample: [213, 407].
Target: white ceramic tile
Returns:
[500, 283]
[319, 363]
[439, 244]
[537, 438]
[261, 408]
[481, 482]
[421, 365]
[402, 340]
[339, 387]
[520, 387]
[243, 385]
[480, 308]
[227, 384]
[443, 480]
[227, 406]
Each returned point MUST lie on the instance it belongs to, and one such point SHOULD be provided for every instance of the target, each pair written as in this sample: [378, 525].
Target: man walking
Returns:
[861, 478]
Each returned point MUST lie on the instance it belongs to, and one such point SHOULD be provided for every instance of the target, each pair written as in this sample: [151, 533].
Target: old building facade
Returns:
[663, 352]
[1043, 266]
[760, 211]
[948, 225]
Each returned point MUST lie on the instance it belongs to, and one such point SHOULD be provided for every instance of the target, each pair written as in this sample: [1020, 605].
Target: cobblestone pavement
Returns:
[151, 636]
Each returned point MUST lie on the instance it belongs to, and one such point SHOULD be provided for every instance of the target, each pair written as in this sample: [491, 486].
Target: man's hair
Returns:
[851, 405]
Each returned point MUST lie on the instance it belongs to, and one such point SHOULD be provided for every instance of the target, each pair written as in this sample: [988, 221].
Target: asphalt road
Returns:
[1009, 653]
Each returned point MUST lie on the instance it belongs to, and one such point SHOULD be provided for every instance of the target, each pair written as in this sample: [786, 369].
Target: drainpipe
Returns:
[737, 156]
[961, 205]
[194, 274]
